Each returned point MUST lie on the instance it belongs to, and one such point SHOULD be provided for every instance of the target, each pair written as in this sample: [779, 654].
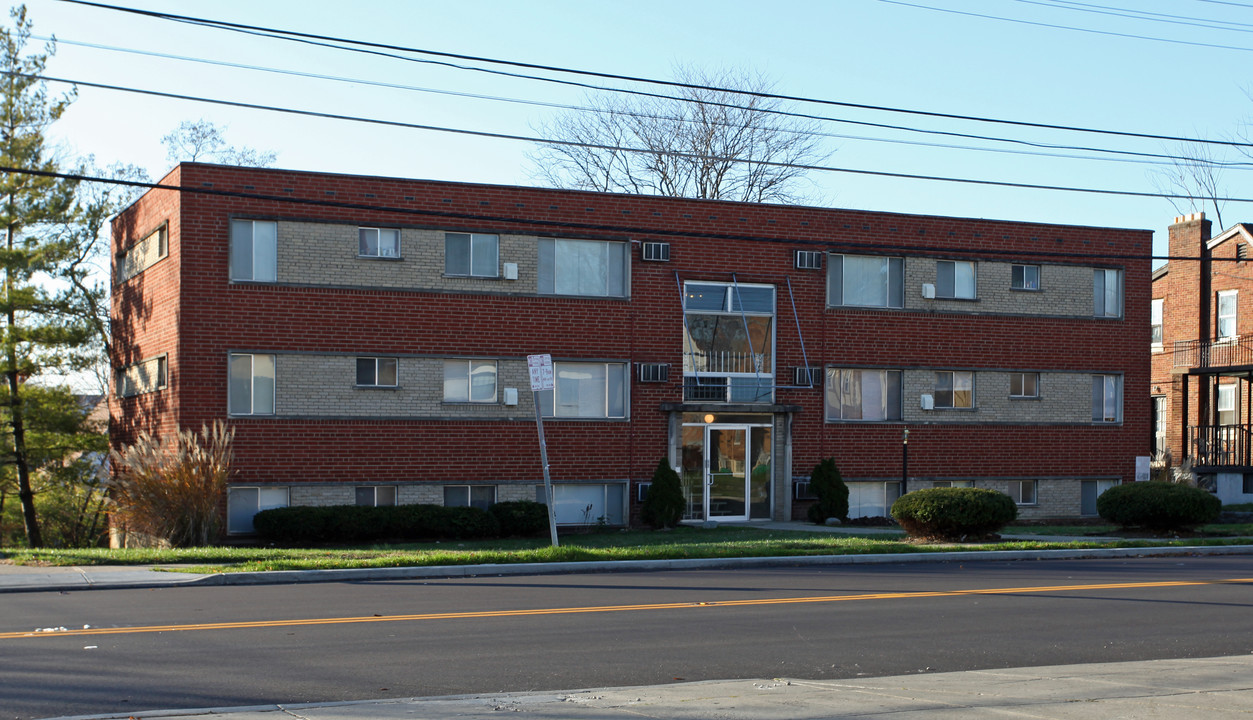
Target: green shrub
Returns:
[521, 518]
[825, 482]
[953, 513]
[663, 505]
[1158, 506]
[303, 525]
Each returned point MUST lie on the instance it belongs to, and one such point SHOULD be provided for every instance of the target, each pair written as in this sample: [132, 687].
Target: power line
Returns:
[1135, 157]
[597, 227]
[1140, 15]
[290, 34]
[594, 146]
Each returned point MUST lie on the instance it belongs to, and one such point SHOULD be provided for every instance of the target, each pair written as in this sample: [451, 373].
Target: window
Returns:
[1107, 293]
[1158, 421]
[1089, 491]
[242, 503]
[376, 372]
[1106, 398]
[143, 254]
[144, 377]
[954, 389]
[252, 384]
[1226, 314]
[1022, 491]
[953, 483]
[866, 281]
[863, 394]
[376, 495]
[254, 250]
[479, 496]
[470, 381]
[1024, 385]
[955, 279]
[582, 267]
[1155, 322]
[1228, 405]
[1024, 277]
[586, 504]
[872, 499]
[587, 390]
[378, 242]
[728, 342]
[471, 255]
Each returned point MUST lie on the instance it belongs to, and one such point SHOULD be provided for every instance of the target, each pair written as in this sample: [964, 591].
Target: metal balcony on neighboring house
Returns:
[1214, 354]
[1219, 446]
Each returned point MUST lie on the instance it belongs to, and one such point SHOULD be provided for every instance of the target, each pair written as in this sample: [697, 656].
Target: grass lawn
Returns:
[683, 542]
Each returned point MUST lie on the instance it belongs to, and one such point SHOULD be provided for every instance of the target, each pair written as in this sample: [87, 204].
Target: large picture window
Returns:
[586, 390]
[582, 267]
[865, 395]
[865, 281]
[252, 384]
[728, 342]
[254, 250]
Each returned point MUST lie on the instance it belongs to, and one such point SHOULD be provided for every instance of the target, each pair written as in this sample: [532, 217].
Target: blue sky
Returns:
[861, 51]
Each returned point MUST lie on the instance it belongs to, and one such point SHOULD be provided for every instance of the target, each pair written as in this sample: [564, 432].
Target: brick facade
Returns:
[330, 306]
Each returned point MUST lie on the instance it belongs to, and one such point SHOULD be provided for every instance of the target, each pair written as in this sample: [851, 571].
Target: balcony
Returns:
[1214, 354]
[1219, 445]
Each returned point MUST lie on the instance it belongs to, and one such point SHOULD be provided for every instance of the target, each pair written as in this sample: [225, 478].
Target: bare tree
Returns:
[1196, 174]
[700, 142]
[203, 141]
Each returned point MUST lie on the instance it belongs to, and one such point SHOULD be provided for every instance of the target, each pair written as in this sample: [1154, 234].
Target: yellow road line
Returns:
[606, 608]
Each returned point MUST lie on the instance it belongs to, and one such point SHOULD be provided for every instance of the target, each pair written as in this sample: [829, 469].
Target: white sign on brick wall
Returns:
[1142, 468]
[541, 367]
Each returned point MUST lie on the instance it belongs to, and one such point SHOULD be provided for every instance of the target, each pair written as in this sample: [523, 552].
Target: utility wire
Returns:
[290, 34]
[620, 230]
[617, 148]
[1140, 15]
[1135, 157]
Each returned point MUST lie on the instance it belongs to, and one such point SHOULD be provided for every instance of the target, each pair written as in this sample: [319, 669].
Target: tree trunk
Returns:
[25, 493]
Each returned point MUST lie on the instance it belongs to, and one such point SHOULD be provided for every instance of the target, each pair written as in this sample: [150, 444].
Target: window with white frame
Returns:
[1228, 404]
[143, 377]
[583, 267]
[376, 495]
[865, 281]
[1106, 398]
[378, 242]
[1024, 385]
[479, 496]
[377, 372]
[254, 250]
[1107, 293]
[586, 504]
[472, 255]
[1023, 492]
[1155, 321]
[586, 390]
[954, 389]
[865, 395]
[252, 384]
[1089, 491]
[1226, 326]
[728, 342]
[470, 381]
[1024, 277]
[955, 279]
[242, 503]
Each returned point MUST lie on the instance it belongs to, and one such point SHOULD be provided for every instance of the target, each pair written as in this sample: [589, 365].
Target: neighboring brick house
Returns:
[367, 339]
[1202, 345]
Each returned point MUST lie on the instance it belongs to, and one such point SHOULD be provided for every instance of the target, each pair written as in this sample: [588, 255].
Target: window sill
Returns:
[863, 307]
[1026, 290]
[955, 409]
[471, 277]
[842, 421]
[956, 299]
[1156, 349]
[387, 258]
[475, 403]
[1028, 398]
[376, 387]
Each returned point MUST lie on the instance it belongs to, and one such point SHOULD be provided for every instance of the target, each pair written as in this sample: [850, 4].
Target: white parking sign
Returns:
[541, 367]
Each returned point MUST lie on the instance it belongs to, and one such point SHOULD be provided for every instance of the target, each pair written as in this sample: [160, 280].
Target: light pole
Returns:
[905, 461]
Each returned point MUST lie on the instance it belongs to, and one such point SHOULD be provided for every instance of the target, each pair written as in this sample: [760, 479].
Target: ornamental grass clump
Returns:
[171, 490]
[954, 514]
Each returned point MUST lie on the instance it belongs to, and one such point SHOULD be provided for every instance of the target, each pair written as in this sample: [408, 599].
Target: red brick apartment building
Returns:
[1202, 346]
[367, 339]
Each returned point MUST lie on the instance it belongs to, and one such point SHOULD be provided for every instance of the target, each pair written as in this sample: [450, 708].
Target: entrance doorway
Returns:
[726, 470]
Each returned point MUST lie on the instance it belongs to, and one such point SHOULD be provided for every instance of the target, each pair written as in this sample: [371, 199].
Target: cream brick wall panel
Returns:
[1065, 290]
[141, 256]
[326, 254]
[1064, 398]
[323, 495]
[325, 386]
[514, 492]
[420, 494]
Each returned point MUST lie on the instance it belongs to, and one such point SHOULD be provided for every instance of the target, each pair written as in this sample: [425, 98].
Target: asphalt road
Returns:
[229, 646]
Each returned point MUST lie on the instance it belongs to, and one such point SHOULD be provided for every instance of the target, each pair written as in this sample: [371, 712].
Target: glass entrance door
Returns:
[726, 471]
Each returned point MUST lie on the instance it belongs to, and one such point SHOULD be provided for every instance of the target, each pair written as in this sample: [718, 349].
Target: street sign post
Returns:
[541, 369]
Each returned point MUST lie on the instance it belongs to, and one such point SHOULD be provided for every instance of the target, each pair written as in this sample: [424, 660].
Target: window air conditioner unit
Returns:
[807, 377]
[511, 396]
[655, 251]
[928, 290]
[511, 271]
[803, 490]
[928, 402]
[808, 260]
[642, 492]
[654, 372]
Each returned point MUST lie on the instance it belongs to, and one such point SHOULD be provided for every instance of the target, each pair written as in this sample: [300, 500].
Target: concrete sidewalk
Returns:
[1210, 688]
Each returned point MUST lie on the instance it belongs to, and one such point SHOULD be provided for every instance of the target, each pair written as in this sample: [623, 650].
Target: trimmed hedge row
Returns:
[953, 513]
[303, 525]
[1158, 506]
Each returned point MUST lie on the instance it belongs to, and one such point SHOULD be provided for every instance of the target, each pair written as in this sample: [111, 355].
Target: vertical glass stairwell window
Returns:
[728, 342]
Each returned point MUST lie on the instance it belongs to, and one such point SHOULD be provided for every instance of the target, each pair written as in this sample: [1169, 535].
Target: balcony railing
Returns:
[726, 362]
[1219, 445]
[1213, 353]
